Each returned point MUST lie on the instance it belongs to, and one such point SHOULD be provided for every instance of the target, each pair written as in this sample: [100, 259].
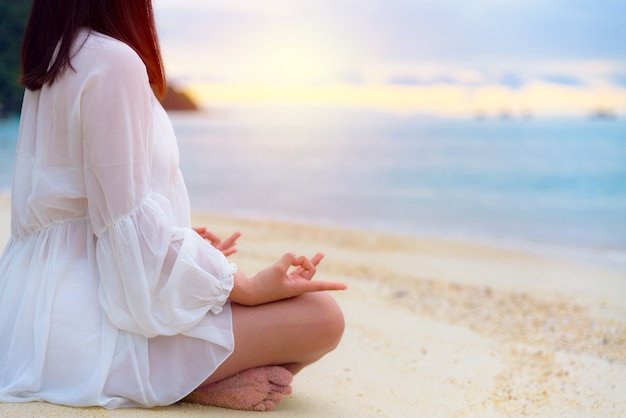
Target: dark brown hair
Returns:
[51, 21]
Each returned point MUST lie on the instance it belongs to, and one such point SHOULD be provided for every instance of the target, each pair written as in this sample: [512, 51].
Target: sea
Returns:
[555, 186]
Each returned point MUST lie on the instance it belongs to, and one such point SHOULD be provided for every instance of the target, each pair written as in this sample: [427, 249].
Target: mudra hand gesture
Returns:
[277, 282]
[227, 246]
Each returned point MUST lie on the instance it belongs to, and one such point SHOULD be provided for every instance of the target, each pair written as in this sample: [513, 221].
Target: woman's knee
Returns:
[327, 322]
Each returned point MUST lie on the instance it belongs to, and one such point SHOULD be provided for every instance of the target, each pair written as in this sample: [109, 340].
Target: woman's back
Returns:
[97, 301]
[49, 181]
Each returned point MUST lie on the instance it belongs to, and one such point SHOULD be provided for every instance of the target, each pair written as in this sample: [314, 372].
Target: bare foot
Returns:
[258, 389]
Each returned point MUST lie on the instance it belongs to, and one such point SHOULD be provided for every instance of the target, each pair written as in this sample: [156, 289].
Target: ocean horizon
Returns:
[548, 185]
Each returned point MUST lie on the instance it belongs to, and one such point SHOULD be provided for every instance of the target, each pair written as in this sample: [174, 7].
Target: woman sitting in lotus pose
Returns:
[107, 295]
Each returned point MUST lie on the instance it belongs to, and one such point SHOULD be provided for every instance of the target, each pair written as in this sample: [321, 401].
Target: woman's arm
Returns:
[156, 277]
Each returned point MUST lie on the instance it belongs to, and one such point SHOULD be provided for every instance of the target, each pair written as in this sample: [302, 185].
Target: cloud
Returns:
[397, 44]
[480, 32]
[564, 79]
[511, 80]
[349, 77]
[542, 99]
[407, 80]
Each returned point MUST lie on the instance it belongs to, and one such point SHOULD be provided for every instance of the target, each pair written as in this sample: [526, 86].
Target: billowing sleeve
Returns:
[155, 278]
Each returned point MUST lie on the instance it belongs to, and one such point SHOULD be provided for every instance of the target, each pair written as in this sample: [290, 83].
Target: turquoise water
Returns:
[8, 138]
[557, 184]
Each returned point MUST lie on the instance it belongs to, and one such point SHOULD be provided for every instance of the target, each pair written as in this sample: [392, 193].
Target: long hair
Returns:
[57, 22]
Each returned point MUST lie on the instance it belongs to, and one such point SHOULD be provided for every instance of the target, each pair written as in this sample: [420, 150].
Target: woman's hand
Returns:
[227, 247]
[277, 282]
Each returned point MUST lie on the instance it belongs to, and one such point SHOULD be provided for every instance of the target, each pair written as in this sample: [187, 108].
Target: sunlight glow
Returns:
[292, 61]
[403, 57]
[445, 100]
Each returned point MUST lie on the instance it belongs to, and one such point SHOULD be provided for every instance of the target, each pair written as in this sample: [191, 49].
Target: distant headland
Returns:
[602, 113]
[175, 99]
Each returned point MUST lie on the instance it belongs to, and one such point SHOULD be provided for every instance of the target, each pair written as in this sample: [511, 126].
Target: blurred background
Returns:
[491, 120]
[446, 57]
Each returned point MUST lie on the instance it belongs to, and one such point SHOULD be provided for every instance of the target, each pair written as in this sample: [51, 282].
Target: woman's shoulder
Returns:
[99, 51]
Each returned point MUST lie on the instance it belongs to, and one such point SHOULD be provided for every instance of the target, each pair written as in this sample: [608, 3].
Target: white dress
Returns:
[107, 297]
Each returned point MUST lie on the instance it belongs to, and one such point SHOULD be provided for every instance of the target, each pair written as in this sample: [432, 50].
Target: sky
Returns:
[446, 57]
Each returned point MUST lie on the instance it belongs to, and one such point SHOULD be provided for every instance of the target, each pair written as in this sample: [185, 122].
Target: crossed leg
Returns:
[272, 342]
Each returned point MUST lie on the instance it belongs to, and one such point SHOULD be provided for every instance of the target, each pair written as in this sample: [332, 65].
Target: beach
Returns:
[434, 328]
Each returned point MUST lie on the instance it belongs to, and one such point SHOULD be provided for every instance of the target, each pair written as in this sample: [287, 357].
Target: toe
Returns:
[279, 375]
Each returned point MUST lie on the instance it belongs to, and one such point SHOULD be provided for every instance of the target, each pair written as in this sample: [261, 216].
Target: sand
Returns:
[435, 329]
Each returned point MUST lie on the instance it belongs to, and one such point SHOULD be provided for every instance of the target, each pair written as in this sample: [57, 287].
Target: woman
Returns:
[107, 296]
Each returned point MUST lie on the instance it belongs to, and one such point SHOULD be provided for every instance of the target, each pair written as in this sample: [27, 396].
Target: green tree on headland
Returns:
[13, 19]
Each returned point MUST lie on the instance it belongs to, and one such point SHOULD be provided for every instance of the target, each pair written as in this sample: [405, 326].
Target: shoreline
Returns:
[591, 256]
[524, 251]
[433, 254]
[586, 256]
[435, 328]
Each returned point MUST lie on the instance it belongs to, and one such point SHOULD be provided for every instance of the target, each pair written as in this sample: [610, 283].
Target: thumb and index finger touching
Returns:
[292, 260]
[308, 266]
